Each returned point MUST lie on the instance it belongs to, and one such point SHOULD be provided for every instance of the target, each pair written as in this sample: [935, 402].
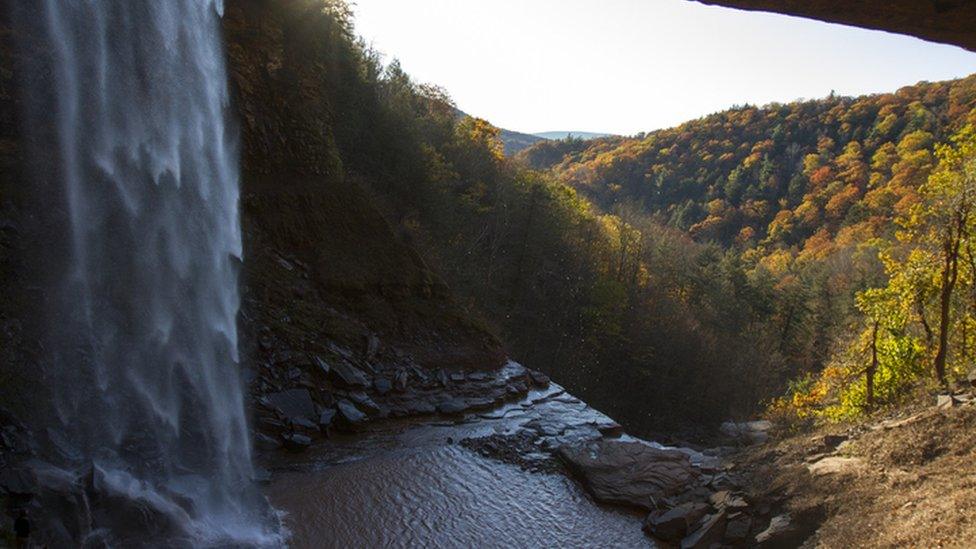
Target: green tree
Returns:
[941, 226]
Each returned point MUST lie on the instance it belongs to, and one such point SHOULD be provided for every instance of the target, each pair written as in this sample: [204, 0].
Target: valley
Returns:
[262, 287]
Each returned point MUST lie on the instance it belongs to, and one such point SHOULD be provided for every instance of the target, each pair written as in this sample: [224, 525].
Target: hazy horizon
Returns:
[637, 65]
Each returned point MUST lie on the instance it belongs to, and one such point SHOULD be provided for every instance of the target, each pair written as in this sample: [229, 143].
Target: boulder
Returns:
[293, 403]
[326, 399]
[349, 417]
[832, 465]
[539, 379]
[326, 418]
[479, 404]
[673, 525]
[737, 528]
[295, 442]
[946, 401]
[363, 402]
[400, 380]
[779, 530]
[709, 531]
[131, 509]
[828, 443]
[304, 423]
[419, 372]
[548, 426]
[420, 407]
[722, 481]
[724, 499]
[270, 424]
[629, 472]
[514, 370]
[323, 365]
[382, 385]
[749, 432]
[264, 442]
[610, 429]
[349, 375]
[452, 406]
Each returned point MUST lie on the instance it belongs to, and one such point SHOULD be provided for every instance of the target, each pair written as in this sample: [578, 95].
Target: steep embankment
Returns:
[903, 479]
[321, 263]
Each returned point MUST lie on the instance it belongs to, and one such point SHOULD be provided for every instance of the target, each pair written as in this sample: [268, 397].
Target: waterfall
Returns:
[145, 368]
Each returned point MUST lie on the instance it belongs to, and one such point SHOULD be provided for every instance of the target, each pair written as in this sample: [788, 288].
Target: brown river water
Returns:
[411, 484]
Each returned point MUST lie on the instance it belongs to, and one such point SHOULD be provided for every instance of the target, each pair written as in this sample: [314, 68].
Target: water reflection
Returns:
[410, 484]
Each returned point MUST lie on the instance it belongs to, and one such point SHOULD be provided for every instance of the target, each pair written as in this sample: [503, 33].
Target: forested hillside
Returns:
[825, 199]
[675, 278]
[776, 174]
[636, 318]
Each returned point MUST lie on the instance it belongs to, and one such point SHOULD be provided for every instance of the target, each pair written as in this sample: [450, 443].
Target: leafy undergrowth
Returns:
[904, 481]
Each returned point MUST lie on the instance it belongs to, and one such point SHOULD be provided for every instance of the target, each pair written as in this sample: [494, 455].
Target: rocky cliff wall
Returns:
[321, 263]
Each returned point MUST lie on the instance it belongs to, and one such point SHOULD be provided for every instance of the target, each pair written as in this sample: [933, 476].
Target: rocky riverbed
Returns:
[404, 457]
[495, 459]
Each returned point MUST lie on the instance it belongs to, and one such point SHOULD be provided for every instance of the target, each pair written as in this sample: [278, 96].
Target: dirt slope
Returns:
[906, 480]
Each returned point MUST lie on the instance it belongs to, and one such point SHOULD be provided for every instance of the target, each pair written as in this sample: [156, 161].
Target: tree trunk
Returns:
[920, 309]
[872, 368]
[950, 272]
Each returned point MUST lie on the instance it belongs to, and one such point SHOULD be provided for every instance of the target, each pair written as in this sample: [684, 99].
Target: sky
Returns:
[626, 66]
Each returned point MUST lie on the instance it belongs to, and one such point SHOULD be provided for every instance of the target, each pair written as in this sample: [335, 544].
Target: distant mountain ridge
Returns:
[514, 142]
[774, 176]
[585, 136]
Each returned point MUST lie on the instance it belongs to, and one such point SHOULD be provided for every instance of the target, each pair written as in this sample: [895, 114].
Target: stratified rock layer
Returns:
[629, 472]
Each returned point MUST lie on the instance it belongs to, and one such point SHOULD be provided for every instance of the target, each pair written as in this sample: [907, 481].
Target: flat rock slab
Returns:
[629, 472]
[363, 402]
[779, 532]
[296, 443]
[452, 406]
[294, 403]
[349, 375]
[673, 525]
[834, 465]
[349, 417]
[382, 385]
[326, 418]
[708, 533]
[752, 432]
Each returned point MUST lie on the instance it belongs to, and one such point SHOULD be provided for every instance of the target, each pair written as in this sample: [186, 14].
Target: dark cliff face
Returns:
[321, 263]
[949, 21]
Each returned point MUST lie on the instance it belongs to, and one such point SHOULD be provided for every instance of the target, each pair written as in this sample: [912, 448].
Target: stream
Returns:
[412, 483]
